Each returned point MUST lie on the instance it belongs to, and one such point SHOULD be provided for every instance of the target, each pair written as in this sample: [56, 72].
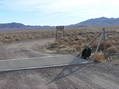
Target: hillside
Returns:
[96, 22]
[20, 26]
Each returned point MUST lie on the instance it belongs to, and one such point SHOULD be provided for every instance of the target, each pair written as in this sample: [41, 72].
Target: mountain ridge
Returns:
[95, 22]
[99, 22]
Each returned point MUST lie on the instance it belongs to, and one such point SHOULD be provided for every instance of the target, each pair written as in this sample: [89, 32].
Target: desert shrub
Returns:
[7, 37]
[17, 39]
[67, 49]
[52, 45]
[11, 36]
[112, 49]
[103, 45]
[108, 43]
[99, 57]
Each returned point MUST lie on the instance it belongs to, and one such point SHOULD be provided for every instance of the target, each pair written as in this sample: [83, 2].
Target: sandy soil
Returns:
[24, 49]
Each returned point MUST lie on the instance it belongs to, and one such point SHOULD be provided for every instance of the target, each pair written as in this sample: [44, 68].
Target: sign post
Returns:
[59, 29]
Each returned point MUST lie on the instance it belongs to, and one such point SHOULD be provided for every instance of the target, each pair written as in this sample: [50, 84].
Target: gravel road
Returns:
[91, 76]
[24, 49]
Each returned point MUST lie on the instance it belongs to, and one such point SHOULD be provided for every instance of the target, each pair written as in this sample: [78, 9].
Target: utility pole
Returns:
[102, 39]
[99, 42]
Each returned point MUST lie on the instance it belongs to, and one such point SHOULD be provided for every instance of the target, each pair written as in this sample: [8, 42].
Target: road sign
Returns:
[59, 27]
[59, 32]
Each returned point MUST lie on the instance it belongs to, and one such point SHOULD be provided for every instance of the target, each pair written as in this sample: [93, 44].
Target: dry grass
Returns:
[76, 39]
[11, 36]
[113, 49]
[99, 57]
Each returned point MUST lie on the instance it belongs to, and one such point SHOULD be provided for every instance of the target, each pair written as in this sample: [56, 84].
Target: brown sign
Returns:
[59, 27]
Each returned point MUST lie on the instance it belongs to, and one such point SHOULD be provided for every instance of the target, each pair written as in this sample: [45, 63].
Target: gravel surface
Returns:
[91, 76]
[24, 49]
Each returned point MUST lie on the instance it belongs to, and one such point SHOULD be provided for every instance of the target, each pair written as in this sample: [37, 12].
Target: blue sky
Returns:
[56, 12]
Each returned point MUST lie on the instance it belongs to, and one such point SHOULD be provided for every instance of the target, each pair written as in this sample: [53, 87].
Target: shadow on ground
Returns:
[68, 70]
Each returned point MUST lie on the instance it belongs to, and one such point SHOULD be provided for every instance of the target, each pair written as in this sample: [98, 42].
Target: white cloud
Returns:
[46, 5]
[62, 6]
[73, 8]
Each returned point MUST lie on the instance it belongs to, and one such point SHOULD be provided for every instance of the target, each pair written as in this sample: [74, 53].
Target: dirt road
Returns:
[24, 49]
[91, 76]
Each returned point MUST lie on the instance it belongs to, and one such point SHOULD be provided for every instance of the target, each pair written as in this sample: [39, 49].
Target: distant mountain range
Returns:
[96, 22]
[20, 26]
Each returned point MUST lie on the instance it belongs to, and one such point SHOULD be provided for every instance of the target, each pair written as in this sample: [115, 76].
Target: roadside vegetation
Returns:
[15, 36]
[75, 40]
